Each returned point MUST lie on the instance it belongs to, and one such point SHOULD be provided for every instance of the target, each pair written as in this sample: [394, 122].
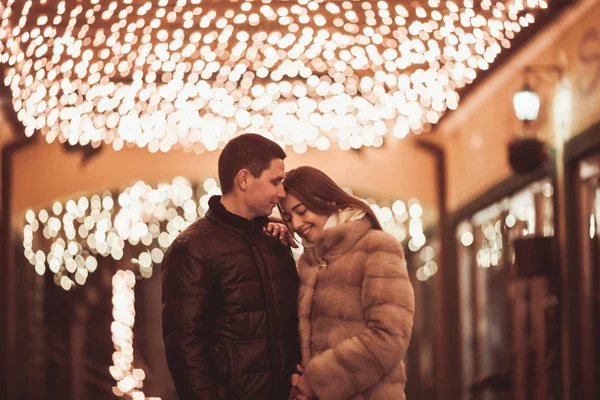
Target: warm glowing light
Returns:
[430, 266]
[129, 379]
[510, 220]
[466, 238]
[104, 225]
[193, 74]
[141, 222]
[526, 103]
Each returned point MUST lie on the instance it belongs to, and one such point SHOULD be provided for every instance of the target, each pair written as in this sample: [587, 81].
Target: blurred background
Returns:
[472, 127]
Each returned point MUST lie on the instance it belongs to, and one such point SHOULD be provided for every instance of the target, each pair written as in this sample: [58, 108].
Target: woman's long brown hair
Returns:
[321, 195]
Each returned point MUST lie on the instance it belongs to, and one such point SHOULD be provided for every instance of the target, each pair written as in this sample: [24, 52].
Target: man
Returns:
[229, 290]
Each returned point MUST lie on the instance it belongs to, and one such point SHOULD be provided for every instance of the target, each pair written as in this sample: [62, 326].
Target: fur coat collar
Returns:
[336, 240]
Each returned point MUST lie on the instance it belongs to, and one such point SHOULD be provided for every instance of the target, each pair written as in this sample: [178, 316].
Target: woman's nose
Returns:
[296, 222]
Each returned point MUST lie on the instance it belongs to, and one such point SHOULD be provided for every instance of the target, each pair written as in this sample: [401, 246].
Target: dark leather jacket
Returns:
[229, 310]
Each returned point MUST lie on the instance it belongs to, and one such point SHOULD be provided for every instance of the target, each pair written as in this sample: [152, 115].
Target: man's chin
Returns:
[266, 212]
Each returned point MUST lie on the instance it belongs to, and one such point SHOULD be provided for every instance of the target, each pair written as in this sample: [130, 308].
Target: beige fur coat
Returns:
[355, 310]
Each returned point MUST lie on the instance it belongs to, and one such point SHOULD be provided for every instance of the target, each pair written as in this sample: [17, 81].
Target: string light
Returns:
[142, 221]
[192, 74]
[129, 379]
[429, 267]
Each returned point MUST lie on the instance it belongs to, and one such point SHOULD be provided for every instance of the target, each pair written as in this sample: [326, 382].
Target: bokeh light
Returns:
[192, 74]
[129, 380]
[139, 224]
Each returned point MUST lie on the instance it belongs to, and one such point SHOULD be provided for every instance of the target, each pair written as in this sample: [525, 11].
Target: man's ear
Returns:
[242, 178]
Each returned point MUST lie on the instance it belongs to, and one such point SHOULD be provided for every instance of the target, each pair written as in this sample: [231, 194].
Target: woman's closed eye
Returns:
[299, 211]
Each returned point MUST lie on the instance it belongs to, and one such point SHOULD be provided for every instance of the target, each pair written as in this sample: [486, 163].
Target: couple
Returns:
[241, 321]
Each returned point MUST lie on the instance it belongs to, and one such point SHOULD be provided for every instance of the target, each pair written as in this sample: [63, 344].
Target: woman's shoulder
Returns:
[376, 240]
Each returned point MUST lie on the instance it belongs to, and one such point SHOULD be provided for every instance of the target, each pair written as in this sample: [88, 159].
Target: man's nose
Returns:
[281, 193]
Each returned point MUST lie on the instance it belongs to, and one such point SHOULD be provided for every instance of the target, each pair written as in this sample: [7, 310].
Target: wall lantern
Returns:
[526, 102]
[527, 153]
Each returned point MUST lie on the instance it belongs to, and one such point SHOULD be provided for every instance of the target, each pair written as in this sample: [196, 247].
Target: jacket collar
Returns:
[218, 213]
[337, 240]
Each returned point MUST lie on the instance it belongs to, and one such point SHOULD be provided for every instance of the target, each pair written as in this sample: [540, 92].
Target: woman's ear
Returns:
[242, 178]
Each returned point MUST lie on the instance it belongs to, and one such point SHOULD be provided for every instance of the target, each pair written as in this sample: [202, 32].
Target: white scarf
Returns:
[339, 218]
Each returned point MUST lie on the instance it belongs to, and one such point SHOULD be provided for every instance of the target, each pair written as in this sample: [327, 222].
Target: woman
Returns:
[356, 302]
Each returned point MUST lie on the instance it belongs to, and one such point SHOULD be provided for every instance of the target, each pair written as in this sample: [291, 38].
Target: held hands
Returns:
[301, 390]
[281, 232]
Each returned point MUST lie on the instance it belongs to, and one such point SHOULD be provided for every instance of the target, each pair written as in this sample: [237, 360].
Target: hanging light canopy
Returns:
[192, 74]
[526, 103]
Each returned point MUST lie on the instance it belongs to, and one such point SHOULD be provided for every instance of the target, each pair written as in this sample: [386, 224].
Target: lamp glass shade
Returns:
[527, 104]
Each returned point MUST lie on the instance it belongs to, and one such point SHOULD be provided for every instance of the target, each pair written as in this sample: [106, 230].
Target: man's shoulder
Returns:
[199, 231]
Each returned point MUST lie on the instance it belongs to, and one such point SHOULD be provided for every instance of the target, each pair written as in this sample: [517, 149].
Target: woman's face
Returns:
[304, 222]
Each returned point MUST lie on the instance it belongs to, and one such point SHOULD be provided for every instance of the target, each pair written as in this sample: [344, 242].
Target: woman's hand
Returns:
[304, 390]
[301, 390]
[296, 377]
[281, 232]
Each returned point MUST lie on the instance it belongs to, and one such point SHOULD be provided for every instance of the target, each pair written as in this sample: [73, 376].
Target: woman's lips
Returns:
[304, 231]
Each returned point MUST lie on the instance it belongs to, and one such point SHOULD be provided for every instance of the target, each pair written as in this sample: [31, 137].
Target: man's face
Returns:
[266, 191]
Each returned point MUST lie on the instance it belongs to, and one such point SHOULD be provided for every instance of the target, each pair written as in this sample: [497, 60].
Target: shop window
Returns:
[589, 254]
[502, 315]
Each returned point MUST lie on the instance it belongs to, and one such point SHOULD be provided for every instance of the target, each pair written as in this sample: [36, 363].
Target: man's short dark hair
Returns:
[248, 151]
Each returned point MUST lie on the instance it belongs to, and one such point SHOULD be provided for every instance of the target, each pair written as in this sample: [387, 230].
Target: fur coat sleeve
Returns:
[387, 301]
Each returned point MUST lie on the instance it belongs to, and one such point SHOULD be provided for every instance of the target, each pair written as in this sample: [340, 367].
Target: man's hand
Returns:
[281, 232]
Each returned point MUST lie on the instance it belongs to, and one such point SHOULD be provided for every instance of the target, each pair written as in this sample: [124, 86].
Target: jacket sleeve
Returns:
[186, 284]
[387, 301]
